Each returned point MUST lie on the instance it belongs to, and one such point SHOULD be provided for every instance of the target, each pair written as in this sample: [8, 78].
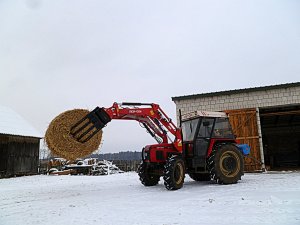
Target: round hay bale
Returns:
[62, 143]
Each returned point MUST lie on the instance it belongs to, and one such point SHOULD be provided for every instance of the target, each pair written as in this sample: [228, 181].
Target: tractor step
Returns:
[90, 125]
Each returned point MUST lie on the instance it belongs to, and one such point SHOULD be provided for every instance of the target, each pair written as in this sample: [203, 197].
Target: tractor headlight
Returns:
[145, 154]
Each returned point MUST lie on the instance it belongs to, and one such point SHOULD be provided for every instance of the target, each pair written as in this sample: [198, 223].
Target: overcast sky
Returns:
[66, 54]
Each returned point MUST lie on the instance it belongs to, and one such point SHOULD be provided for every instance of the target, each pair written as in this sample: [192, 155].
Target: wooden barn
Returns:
[267, 118]
[19, 145]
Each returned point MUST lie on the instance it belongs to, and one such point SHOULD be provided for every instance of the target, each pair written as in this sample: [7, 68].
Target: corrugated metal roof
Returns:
[237, 91]
[12, 123]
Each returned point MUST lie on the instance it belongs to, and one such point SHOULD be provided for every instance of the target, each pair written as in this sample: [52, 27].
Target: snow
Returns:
[265, 198]
[12, 123]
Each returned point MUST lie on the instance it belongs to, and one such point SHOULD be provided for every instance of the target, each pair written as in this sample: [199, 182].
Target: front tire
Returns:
[174, 173]
[226, 164]
[146, 178]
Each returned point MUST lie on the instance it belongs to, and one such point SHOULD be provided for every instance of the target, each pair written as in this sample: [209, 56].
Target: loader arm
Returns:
[150, 115]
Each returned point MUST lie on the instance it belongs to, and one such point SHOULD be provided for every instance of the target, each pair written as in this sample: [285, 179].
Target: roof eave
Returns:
[237, 91]
[18, 135]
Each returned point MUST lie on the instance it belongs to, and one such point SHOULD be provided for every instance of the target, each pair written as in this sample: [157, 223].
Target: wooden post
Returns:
[261, 146]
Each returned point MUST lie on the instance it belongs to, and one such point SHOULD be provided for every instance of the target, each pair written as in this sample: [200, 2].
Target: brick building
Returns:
[267, 118]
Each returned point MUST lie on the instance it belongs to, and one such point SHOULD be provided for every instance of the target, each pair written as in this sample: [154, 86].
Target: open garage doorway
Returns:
[281, 136]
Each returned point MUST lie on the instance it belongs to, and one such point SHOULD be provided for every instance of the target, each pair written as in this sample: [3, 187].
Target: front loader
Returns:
[203, 146]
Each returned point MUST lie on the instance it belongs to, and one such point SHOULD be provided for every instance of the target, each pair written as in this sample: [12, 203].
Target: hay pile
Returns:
[62, 143]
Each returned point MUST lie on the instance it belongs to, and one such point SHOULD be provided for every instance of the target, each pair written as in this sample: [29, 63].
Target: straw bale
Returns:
[62, 143]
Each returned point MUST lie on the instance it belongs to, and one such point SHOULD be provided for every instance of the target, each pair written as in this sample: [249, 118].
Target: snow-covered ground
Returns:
[269, 198]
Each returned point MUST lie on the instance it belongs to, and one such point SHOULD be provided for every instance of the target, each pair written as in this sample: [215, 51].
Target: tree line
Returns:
[119, 156]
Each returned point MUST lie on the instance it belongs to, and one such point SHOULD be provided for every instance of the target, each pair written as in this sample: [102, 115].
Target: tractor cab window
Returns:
[222, 128]
[206, 127]
[189, 129]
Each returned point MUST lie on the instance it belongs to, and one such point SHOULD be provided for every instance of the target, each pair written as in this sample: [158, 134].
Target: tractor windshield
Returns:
[189, 129]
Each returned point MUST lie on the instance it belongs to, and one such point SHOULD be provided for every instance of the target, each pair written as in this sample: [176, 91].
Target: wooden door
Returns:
[244, 125]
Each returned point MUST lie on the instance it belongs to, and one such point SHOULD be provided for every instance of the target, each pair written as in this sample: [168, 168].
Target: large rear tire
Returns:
[146, 178]
[174, 173]
[226, 164]
[200, 176]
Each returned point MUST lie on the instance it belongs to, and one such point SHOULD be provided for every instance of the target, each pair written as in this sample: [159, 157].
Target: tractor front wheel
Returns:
[174, 173]
[226, 164]
[146, 178]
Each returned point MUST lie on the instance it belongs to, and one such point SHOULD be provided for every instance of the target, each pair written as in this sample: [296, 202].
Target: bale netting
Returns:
[62, 143]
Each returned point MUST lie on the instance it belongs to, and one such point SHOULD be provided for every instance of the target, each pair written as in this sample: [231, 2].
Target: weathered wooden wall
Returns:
[244, 125]
[3, 154]
[18, 155]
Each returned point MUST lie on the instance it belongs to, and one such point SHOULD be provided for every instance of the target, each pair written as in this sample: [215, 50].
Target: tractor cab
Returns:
[201, 130]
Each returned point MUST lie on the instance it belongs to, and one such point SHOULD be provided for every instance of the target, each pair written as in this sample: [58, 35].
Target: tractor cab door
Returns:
[202, 141]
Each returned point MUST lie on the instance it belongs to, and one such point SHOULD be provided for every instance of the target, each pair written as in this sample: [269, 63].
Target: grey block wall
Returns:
[251, 98]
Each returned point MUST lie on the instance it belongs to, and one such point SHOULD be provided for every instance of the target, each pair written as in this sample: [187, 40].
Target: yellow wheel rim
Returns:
[230, 164]
[179, 173]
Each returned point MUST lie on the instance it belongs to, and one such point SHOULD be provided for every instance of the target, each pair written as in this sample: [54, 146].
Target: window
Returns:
[222, 128]
[188, 129]
[206, 127]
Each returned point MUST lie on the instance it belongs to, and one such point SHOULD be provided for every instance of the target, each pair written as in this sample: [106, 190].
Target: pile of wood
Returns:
[62, 143]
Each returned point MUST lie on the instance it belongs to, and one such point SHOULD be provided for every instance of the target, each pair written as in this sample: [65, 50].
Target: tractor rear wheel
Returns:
[226, 164]
[146, 178]
[174, 173]
[200, 176]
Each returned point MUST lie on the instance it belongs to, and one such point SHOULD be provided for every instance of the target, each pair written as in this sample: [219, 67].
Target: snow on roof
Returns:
[12, 123]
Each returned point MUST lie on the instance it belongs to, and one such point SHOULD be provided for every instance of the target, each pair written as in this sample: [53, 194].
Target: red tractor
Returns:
[203, 147]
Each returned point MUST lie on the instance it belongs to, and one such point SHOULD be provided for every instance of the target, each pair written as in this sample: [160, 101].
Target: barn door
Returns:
[244, 125]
